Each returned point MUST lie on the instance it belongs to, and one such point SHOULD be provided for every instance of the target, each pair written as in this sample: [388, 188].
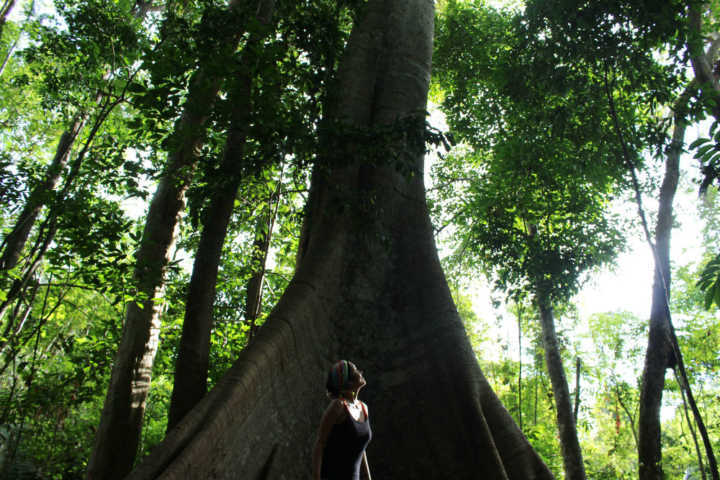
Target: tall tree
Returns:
[193, 356]
[660, 353]
[368, 286]
[663, 349]
[535, 212]
[121, 421]
[566, 415]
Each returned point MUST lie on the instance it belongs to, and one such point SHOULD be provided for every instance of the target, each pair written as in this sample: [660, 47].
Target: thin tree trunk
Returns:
[5, 12]
[369, 287]
[11, 330]
[631, 420]
[7, 6]
[42, 194]
[685, 385]
[535, 403]
[49, 226]
[191, 366]
[576, 410]
[692, 430]
[17, 238]
[15, 292]
[707, 80]
[663, 350]
[261, 248]
[569, 444]
[8, 55]
[659, 354]
[519, 319]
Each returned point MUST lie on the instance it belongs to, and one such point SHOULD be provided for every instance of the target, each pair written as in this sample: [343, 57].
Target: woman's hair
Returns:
[339, 377]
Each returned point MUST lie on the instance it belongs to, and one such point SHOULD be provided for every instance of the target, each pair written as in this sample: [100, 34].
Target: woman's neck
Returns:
[349, 396]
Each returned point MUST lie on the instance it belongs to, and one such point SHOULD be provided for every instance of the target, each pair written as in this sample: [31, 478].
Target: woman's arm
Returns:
[365, 468]
[330, 418]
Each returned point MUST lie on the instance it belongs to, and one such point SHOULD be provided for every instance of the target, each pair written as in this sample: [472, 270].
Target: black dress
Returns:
[344, 448]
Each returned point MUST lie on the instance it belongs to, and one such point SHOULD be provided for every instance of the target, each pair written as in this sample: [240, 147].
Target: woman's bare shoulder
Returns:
[335, 409]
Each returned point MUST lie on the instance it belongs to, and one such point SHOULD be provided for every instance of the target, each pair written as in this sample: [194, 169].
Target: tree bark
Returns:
[569, 444]
[191, 366]
[117, 438]
[368, 287]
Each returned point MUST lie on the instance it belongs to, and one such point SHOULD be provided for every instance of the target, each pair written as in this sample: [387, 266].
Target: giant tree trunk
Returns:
[118, 435]
[368, 287]
[191, 366]
[569, 444]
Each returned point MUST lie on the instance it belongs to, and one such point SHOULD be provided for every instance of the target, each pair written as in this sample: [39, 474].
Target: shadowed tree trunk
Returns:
[118, 435]
[368, 287]
[191, 366]
[569, 444]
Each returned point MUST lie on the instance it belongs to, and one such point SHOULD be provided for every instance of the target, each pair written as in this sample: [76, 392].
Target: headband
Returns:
[340, 374]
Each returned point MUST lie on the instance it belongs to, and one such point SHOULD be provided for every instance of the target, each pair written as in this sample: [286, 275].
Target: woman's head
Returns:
[343, 376]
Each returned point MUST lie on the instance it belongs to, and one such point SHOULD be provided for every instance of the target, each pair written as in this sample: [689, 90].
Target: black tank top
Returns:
[344, 448]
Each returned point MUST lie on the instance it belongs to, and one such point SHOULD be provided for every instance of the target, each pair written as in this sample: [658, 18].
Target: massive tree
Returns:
[368, 287]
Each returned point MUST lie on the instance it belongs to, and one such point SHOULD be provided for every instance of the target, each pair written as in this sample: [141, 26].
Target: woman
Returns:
[344, 429]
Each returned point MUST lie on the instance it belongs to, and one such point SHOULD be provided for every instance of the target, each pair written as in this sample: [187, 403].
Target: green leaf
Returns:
[709, 282]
